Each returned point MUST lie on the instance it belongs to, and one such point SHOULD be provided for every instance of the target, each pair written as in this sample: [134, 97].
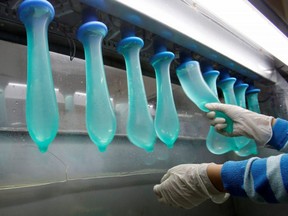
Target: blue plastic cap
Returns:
[251, 89]
[162, 55]
[127, 31]
[98, 27]
[206, 68]
[89, 15]
[239, 83]
[24, 7]
[224, 75]
[127, 41]
[159, 46]
[185, 57]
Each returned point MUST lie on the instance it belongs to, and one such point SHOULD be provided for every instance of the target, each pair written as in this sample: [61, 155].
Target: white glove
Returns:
[187, 186]
[245, 122]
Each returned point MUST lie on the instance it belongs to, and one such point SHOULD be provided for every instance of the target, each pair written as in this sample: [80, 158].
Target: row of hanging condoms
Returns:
[42, 110]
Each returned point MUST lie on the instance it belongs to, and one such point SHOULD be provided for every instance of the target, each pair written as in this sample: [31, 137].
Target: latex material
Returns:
[216, 143]
[69, 103]
[140, 126]
[252, 99]
[251, 147]
[252, 102]
[227, 87]
[240, 90]
[166, 120]
[197, 90]
[210, 78]
[253, 105]
[41, 106]
[246, 123]
[100, 117]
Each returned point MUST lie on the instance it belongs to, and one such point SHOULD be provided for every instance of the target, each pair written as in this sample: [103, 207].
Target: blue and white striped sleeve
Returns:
[279, 138]
[262, 180]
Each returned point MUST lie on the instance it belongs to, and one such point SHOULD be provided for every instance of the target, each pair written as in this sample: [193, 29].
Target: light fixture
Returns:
[80, 94]
[25, 86]
[245, 21]
[17, 85]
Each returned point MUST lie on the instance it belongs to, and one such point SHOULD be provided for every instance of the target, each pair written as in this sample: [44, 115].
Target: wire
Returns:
[72, 47]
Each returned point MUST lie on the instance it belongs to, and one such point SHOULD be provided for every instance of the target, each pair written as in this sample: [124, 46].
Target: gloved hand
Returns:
[245, 122]
[187, 186]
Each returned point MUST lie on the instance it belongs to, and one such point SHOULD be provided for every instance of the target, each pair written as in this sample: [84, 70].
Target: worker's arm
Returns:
[263, 180]
[279, 139]
[214, 174]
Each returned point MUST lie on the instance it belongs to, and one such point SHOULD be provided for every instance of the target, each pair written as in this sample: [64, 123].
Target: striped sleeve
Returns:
[262, 180]
[279, 138]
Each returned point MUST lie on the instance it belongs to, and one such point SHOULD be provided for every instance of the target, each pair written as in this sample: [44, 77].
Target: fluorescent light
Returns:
[17, 84]
[80, 94]
[24, 86]
[242, 17]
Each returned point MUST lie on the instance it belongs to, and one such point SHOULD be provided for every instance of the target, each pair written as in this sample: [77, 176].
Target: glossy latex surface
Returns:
[216, 142]
[252, 102]
[140, 126]
[41, 106]
[166, 121]
[197, 90]
[227, 87]
[251, 147]
[100, 117]
[240, 91]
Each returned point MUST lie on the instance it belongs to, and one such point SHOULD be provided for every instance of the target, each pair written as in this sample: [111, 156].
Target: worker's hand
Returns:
[245, 122]
[187, 186]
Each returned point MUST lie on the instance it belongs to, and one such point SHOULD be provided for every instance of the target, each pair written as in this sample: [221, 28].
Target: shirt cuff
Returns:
[232, 174]
[280, 134]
